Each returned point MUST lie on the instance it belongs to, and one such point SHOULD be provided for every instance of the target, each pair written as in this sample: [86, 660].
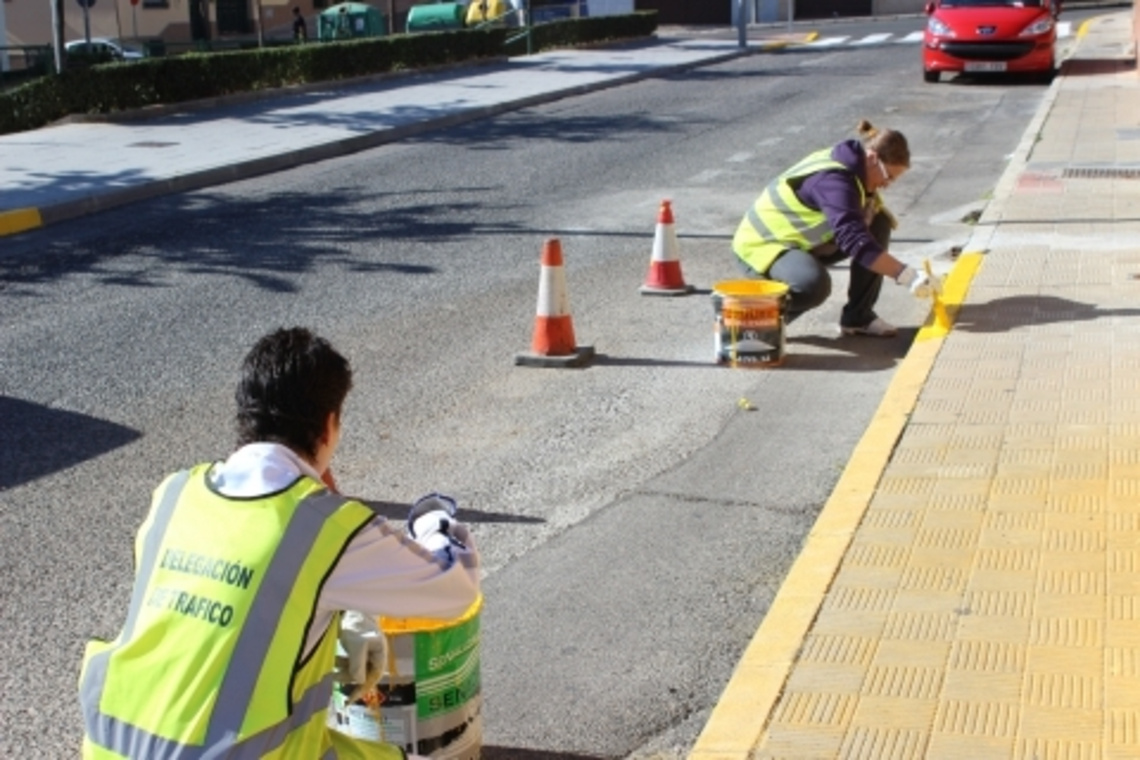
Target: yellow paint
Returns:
[953, 294]
[19, 220]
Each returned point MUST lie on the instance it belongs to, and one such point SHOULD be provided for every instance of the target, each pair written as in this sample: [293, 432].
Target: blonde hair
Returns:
[889, 144]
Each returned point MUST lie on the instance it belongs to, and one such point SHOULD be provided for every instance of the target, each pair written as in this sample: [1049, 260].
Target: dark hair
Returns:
[887, 143]
[291, 380]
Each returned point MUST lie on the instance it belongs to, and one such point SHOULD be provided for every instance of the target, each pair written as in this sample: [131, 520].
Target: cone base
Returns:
[582, 356]
[649, 290]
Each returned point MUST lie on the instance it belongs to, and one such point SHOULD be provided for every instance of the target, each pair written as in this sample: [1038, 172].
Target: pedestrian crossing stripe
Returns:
[873, 39]
[1064, 29]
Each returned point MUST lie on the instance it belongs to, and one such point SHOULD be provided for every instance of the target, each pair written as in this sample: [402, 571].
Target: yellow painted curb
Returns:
[737, 723]
[19, 220]
[953, 294]
[780, 44]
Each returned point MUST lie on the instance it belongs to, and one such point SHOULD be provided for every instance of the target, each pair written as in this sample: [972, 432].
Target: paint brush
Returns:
[941, 316]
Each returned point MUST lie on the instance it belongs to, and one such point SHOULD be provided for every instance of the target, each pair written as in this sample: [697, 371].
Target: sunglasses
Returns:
[887, 177]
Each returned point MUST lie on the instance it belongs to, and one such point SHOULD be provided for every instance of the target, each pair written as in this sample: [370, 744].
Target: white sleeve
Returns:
[383, 572]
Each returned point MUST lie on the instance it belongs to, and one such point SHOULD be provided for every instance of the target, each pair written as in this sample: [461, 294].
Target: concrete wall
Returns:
[770, 11]
[892, 7]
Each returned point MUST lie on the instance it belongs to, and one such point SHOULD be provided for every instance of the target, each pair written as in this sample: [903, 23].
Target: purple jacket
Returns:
[835, 193]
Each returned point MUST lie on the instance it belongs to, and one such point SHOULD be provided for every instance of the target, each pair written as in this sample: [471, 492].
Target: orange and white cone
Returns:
[664, 278]
[553, 344]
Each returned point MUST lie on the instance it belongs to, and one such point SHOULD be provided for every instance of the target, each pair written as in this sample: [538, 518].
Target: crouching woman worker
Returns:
[825, 209]
[243, 570]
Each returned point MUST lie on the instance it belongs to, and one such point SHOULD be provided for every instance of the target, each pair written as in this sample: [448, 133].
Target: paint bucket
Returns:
[749, 327]
[429, 701]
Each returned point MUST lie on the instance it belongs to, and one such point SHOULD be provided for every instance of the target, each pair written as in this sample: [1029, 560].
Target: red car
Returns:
[982, 36]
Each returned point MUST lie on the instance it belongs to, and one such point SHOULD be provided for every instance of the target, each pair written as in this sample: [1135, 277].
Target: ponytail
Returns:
[890, 145]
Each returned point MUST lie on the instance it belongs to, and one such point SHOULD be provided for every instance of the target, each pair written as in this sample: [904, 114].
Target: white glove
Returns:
[920, 283]
[432, 524]
[366, 651]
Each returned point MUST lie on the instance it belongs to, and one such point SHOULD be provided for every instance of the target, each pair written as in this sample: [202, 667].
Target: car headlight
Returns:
[1037, 27]
[938, 28]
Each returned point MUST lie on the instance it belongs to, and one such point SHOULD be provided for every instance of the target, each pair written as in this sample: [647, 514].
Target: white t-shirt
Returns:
[382, 572]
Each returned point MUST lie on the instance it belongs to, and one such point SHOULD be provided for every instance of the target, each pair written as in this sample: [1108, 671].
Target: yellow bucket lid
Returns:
[750, 288]
[424, 625]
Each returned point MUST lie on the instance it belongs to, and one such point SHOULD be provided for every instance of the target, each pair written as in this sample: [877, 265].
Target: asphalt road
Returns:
[635, 522]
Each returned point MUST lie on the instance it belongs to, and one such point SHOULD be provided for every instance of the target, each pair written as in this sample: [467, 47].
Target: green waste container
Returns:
[350, 20]
[436, 17]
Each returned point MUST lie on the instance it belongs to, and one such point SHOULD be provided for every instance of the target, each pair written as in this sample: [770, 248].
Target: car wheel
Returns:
[1046, 77]
[930, 76]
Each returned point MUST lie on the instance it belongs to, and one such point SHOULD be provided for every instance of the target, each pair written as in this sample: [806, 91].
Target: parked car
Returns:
[102, 48]
[990, 36]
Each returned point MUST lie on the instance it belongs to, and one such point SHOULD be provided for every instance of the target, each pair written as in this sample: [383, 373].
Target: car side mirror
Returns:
[929, 8]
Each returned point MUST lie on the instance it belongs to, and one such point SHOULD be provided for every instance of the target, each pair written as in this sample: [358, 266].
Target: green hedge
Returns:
[194, 76]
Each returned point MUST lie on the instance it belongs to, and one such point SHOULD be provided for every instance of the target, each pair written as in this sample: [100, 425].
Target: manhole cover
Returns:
[151, 144]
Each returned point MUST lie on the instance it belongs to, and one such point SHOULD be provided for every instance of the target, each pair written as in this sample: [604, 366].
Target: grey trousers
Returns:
[809, 283]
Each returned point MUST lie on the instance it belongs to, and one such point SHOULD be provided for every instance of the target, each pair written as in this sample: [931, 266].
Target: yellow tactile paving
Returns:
[988, 603]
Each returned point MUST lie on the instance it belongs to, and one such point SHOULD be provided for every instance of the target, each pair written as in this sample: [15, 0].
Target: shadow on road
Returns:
[39, 441]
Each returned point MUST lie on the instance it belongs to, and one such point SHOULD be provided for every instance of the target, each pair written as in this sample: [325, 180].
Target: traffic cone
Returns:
[553, 344]
[664, 278]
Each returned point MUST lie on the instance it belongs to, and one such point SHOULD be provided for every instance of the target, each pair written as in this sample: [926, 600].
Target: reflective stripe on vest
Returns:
[249, 653]
[779, 220]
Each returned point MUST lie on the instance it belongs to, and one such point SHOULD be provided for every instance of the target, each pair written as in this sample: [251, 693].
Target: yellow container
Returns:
[481, 11]
[749, 326]
[430, 699]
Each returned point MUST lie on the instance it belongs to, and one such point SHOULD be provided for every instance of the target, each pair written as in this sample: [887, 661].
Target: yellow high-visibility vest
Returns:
[211, 657]
[778, 220]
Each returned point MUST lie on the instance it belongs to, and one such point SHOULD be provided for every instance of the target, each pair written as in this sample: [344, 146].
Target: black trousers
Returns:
[809, 283]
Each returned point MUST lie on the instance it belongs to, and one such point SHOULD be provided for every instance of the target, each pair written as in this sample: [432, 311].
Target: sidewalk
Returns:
[65, 171]
[971, 589]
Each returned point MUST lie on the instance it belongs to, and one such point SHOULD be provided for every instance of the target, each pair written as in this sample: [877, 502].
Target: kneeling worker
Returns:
[243, 571]
[825, 209]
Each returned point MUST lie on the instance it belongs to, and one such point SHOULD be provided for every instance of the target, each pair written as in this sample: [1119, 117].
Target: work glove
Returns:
[366, 652]
[921, 284]
[432, 525]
